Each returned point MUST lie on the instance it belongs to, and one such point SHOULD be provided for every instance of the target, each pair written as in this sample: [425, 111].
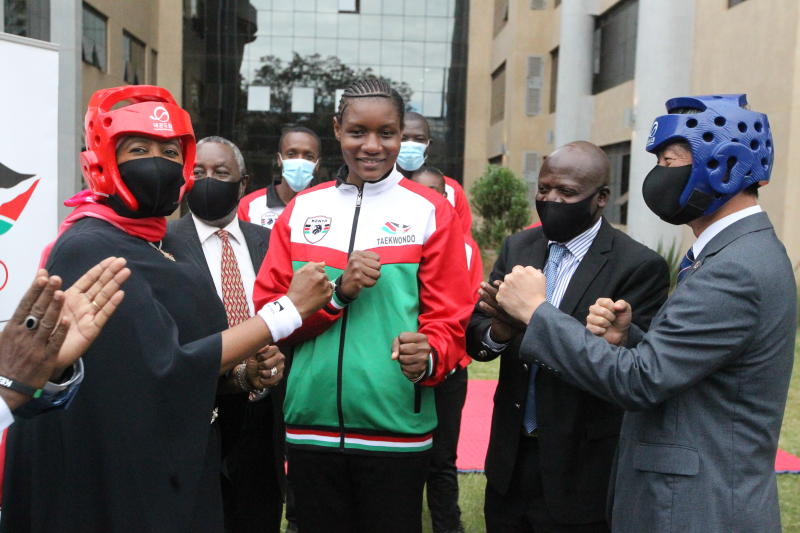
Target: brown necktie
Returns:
[233, 296]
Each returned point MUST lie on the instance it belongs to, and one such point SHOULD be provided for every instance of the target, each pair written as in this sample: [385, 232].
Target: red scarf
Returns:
[87, 204]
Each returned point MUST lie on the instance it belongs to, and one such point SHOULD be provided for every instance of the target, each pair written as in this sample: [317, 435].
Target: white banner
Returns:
[28, 162]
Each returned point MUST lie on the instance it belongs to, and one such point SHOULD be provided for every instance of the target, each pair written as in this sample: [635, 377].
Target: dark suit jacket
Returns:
[577, 431]
[704, 389]
[239, 418]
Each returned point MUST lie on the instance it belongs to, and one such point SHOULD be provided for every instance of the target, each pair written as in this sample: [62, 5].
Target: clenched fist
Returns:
[363, 270]
[411, 350]
[523, 290]
[610, 320]
[266, 368]
[310, 289]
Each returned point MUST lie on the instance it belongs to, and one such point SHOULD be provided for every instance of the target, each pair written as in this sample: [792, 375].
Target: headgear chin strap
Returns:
[152, 113]
[731, 146]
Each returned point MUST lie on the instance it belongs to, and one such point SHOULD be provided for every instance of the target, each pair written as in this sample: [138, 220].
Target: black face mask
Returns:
[212, 199]
[156, 184]
[662, 190]
[562, 221]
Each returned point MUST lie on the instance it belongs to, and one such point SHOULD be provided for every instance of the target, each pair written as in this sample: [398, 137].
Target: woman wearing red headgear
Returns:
[131, 453]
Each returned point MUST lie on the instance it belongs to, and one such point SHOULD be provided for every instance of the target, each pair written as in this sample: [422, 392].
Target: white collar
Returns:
[714, 229]
[204, 230]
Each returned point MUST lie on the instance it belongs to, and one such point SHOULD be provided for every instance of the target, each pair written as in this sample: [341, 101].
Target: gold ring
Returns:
[95, 305]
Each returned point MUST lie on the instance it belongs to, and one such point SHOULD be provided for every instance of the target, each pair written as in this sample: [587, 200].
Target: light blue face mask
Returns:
[411, 156]
[298, 173]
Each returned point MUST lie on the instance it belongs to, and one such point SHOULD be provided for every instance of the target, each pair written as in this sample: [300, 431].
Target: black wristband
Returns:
[337, 290]
[21, 388]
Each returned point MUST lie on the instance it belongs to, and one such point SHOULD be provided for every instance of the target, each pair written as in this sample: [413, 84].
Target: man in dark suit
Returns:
[551, 444]
[705, 388]
[250, 422]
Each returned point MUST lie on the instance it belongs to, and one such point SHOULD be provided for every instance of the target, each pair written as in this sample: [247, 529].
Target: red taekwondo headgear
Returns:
[152, 113]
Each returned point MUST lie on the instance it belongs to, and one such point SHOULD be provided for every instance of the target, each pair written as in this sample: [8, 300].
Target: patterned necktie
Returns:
[233, 296]
[557, 251]
[686, 264]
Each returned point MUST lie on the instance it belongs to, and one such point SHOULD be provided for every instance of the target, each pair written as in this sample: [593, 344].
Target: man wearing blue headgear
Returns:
[705, 388]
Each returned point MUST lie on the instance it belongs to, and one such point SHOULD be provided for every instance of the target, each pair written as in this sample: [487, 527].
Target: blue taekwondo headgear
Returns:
[731, 147]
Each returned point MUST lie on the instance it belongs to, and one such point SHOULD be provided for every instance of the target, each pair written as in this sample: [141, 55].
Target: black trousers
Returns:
[348, 493]
[523, 509]
[442, 475]
[251, 492]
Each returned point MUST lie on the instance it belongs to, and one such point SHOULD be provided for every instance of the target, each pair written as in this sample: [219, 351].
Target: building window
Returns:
[153, 68]
[498, 94]
[619, 156]
[615, 45]
[531, 162]
[500, 15]
[533, 89]
[26, 18]
[496, 160]
[93, 45]
[538, 4]
[553, 78]
[132, 59]
[349, 6]
[732, 3]
[556, 4]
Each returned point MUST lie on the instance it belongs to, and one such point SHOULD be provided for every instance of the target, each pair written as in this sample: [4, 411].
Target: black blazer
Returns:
[242, 424]
[577, 431]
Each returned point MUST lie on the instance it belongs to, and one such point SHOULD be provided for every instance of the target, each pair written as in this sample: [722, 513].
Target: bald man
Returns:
[551, 444]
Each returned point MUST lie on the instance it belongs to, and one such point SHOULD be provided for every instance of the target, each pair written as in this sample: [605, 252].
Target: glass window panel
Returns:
[393, 7]
[132, 59]
[304, 24]
[370, 26]
[282, 23]
[415, 103]
[261, 5]
[304, 46]
[391, 28]
[337, 97]
[415, 77]
[302, 99]
[325, 47]
[414, 28]
[258, 98]
[94, 51]
[348, 25]
[370, 7]
[282, 5]
[281, 47]
[393, 73]
[435, 29]
[437, 55]
[305, 5]
[434, 79]
[436, 9]
[432, 104]
[327, 6]
[347, 50]
[391, 53]
[348, 6]
[414, 54]
[416, 7]
[260, 47]
[369, 52]
[153, 68]
[248, 70]
[327, 24]
[263, 22]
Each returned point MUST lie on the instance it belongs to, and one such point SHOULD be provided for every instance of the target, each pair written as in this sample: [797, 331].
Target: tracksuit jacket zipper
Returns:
[344, 325]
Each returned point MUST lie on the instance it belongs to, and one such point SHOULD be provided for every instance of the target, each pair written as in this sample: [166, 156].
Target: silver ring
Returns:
[31, 322]
[273, 372]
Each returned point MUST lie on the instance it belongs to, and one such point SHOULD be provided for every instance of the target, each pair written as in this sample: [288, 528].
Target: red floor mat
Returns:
[477, 417]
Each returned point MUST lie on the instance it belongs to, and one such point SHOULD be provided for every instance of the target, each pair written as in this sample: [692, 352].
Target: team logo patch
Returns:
[394, 228]
[316, 228]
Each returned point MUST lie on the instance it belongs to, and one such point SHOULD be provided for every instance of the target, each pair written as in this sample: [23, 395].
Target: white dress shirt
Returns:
[577, 247]
[212, 250]
[6, 418]
[714, 229]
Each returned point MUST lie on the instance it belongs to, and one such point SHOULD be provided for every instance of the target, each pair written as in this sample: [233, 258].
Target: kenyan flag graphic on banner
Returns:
[11, 207]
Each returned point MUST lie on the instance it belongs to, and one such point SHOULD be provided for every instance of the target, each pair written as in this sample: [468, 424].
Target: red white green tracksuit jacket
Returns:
[344, 391]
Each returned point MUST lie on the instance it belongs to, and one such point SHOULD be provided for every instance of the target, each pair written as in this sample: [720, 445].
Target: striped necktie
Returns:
[233, 296]
[686, 264]
[557, 252]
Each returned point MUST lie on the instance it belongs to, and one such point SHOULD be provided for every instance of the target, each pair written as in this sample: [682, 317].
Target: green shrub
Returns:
[500, 200]
[672, 255]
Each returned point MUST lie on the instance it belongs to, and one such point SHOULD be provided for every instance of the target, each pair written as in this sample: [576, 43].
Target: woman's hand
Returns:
[266, 368]
[310, 289]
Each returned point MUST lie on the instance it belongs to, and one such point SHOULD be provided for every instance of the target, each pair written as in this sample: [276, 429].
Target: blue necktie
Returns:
[686, 264]
[551, 273]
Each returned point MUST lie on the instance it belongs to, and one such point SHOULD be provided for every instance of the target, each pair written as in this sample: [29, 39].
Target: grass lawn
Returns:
[472, 485]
